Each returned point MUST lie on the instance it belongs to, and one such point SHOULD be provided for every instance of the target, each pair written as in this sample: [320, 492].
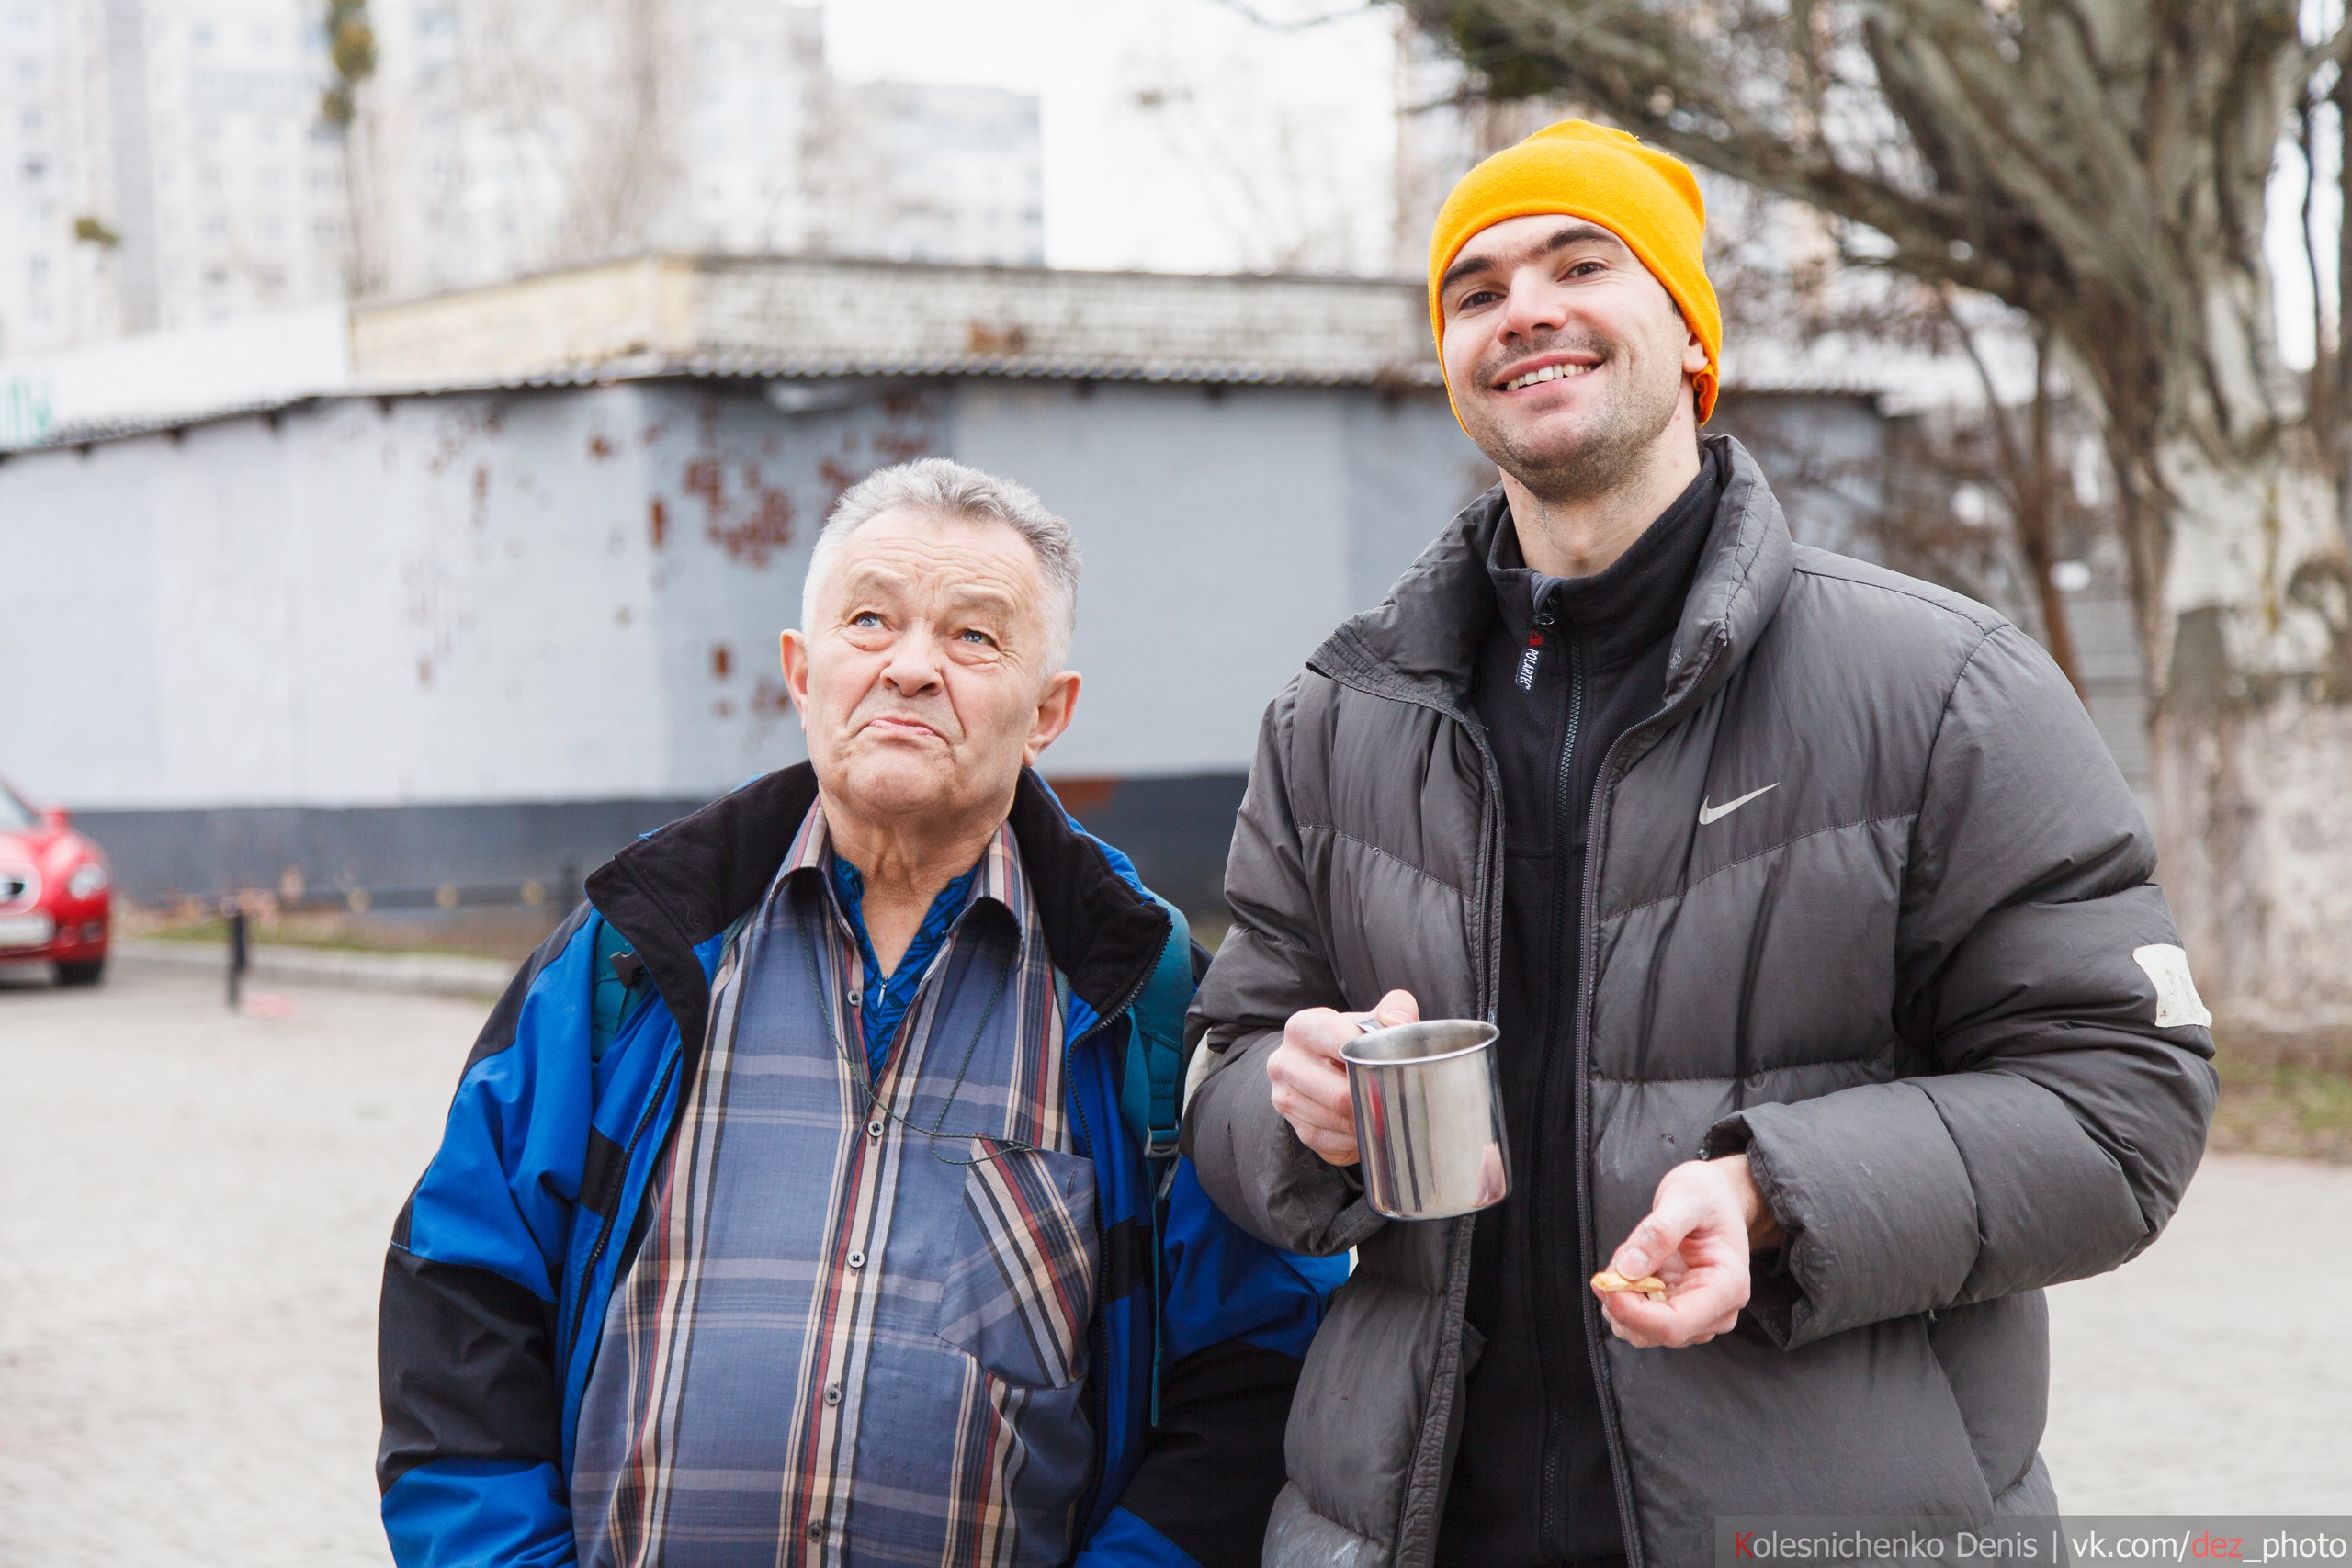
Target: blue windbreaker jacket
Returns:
[507, 1251]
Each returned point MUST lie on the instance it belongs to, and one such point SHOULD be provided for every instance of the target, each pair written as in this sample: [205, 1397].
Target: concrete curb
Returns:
[422, 973]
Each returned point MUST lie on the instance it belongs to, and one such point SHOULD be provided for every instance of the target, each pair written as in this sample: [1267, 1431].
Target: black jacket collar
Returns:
[676, 888]
[1422, 640]
[1631, 605]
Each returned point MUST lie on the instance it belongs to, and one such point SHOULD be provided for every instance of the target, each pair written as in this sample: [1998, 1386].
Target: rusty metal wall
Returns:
[247, 641]
[477, 638]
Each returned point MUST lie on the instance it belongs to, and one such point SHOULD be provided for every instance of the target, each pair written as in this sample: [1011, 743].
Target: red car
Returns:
[56, 894]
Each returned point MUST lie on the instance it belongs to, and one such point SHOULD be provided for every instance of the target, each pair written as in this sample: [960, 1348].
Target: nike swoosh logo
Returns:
[1717, 813]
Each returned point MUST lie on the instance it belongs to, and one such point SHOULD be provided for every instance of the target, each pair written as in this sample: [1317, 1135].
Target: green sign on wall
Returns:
[27, 411]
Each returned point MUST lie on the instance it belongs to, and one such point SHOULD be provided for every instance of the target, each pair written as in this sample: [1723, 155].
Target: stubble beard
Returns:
[1607, 453]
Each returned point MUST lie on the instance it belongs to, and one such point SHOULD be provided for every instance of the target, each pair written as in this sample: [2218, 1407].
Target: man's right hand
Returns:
[1311, 1081]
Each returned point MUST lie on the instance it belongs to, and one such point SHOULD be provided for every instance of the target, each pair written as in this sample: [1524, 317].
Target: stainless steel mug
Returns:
[1428, 1118]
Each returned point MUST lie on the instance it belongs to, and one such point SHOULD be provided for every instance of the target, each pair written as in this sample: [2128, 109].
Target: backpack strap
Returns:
[1151, 1091]
[1151, 1101]
[619, 978]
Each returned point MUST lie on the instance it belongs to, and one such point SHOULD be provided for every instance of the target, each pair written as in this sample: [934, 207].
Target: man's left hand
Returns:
[1706, 1218]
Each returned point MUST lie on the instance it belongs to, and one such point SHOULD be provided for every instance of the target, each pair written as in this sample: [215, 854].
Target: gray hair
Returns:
[948, 489]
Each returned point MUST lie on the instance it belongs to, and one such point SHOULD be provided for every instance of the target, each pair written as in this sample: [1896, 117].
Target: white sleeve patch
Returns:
[2177, 1000]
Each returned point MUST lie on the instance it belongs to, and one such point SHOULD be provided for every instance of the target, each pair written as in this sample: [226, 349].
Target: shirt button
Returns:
[857, 1260]
[852, 999]
[816, 1529]
[874, 1128]
[833, 1394]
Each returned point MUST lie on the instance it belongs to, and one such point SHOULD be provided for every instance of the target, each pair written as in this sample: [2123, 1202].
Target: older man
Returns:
[1817, 923]
[797, 1204]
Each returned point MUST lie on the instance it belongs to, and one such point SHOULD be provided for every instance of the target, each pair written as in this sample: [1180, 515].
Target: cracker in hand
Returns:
[1649, 1285]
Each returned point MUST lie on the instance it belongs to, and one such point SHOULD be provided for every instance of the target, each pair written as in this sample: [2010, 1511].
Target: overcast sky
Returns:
[1179, 135]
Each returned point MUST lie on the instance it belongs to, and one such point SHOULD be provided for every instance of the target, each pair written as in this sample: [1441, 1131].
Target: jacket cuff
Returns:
[1876, 1210]
[1730, 1136]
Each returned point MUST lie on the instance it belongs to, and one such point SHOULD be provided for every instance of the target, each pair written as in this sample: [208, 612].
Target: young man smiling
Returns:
[1832, 985]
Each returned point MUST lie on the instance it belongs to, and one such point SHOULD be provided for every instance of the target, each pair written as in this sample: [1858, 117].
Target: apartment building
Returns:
[165, 164]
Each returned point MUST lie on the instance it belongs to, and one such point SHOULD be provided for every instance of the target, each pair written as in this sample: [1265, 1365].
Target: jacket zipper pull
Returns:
[1533, 651]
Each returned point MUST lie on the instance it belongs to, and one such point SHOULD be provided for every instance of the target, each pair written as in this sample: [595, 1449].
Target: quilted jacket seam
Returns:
[1389, 855]
[1698, 881]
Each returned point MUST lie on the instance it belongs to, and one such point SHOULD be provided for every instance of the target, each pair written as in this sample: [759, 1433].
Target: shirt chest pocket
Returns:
[1020, 1290]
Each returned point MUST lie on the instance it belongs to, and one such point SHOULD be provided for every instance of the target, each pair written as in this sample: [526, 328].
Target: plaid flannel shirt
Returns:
[856, 1328]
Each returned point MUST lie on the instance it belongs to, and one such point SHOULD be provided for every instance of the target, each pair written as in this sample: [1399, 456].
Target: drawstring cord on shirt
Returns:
[860, 1071]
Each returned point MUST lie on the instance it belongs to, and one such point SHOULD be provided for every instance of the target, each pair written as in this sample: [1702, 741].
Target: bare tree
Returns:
[1974, 492]
[1264, 162]
[625, 164]
[351, 57]
[2028, 476]
[2102, 165]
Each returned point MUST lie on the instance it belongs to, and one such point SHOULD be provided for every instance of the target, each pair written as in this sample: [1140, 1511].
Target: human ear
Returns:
[1695, 355]
[794, 647]
[1054, 709]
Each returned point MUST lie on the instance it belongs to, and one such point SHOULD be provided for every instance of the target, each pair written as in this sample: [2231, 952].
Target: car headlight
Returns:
[89, 880]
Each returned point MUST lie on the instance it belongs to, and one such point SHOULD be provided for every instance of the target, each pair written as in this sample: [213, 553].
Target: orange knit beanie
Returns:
[1646, 197]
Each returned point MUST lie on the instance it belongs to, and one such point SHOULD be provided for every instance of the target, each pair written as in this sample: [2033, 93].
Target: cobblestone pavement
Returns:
[2213, 1373]
[196, 1203]
[192, 1238]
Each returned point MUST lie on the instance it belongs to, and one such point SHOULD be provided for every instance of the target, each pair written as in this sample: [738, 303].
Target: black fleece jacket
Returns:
[1567, 667]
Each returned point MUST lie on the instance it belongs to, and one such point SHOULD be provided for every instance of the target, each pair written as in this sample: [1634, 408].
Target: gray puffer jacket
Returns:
[1916, 979]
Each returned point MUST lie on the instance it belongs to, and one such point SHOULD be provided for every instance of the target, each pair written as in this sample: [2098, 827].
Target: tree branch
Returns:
[1620, 57]
[2334, 49]
[1256, 17]
[2012, 459]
